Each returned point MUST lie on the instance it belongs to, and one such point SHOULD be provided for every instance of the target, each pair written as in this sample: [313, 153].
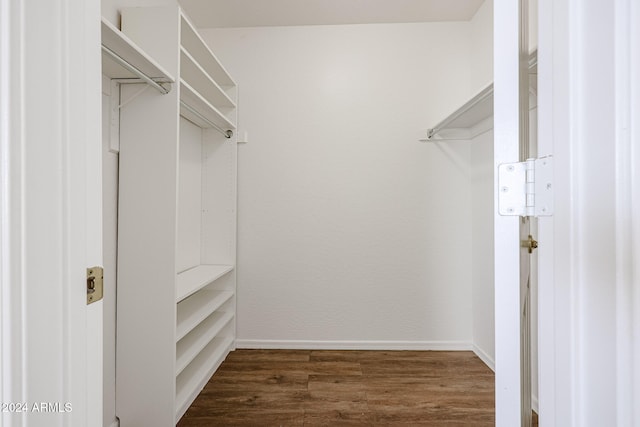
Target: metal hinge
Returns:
[526, 188]
[94, 284]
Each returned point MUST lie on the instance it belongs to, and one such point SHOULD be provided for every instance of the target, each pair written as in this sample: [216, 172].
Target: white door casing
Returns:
[511, 114]
[589, 296]
[50, 212]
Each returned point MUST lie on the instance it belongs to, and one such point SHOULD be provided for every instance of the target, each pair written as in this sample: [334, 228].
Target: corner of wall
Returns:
[481, 71]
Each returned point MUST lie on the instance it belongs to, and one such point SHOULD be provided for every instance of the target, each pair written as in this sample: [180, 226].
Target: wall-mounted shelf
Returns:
[475, 116]
[193, 43]
[193, 73]
[472, 118]
[116, 42]
[193, 99]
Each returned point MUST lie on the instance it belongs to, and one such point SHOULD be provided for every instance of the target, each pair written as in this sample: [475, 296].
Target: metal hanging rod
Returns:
[228, 133]
[132, 68]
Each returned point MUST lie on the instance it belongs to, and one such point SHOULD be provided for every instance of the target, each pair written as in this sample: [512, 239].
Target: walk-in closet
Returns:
[295, 185]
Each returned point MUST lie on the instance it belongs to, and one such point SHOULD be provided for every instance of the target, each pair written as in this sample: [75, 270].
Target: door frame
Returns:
[589, 115]
[508, 352]
[50, 211]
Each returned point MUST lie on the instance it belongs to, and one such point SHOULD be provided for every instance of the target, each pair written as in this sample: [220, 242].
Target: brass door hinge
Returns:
[94, 284]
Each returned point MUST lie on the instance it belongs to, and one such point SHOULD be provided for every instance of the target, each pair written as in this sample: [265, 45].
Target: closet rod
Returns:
[228, 133]
[135, 70]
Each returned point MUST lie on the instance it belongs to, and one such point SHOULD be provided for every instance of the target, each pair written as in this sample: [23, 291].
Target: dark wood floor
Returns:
[334, 388]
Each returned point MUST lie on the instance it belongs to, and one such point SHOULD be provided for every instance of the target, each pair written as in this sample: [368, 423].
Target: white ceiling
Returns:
[255, 13]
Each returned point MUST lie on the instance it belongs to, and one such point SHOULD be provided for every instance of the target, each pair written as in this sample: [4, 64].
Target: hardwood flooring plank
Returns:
[337, 418]
[310, 368]
[336, 395]
[256, 381]
[269, 355]
[336, 355]
[265, 418]
[394, 367]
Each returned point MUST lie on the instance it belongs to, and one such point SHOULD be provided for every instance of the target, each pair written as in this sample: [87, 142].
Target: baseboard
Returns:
[535, 404]
[484, 357]
[354, 345]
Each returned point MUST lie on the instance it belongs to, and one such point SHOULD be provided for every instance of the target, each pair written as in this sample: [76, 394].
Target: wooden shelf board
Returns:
[193, 73]
[195, 376]
[196, 278]
[119, 43]
[190, 346]
[196, 308]
[192, 98]
[193, 43]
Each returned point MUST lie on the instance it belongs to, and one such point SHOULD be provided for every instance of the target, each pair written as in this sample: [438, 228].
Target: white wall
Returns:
[111, 8]
[481, 68]
[350, 231]
[480, 75]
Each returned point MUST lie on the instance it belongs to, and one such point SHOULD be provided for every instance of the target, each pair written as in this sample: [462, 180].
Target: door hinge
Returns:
[94, 284]
[526, 188]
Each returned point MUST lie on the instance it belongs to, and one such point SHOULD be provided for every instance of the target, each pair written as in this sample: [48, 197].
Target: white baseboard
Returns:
[354, 345]
[484, 357]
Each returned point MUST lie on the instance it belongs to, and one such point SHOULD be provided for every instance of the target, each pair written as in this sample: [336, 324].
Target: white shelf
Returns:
[468, 120]
[194, 44]
[193, 99]
[475, 116]
[196, 278]
[198, 307]
[198, 78]
[190, 346]
[193, 379]
[116, 41]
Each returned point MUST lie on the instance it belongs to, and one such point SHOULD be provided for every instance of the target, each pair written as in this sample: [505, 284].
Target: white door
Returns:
[50, 212]
[512, 261]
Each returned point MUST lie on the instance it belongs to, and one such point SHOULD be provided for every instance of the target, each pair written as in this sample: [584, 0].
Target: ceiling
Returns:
[257, 13]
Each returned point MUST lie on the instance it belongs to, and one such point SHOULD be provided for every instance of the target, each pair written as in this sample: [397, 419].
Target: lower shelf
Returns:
[195, 376]
[190, 346]
[198, 307]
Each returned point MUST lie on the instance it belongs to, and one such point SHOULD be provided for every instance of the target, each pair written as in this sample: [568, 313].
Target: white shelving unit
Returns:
[177, 223]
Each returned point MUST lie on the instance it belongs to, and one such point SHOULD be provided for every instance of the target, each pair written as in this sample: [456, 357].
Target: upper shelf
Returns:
[191, 41]
[124, 48]
[476, 115]
[461, 123]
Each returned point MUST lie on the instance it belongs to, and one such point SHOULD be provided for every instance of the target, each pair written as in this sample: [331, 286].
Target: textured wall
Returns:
[351, 232]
